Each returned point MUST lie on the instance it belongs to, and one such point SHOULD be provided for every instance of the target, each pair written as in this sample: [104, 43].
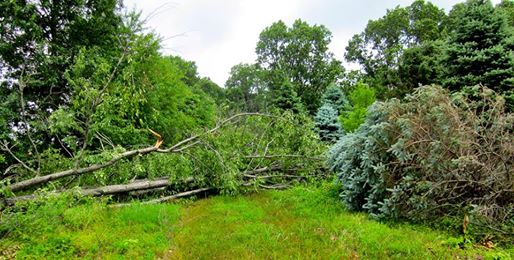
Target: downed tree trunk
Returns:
[111, 189]
[175, 148]
[167, 198]
[143, 186]
[50, 177]
[147, 191]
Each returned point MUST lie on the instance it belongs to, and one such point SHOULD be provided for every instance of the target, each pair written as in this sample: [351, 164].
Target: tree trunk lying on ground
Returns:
[142, 186]
[112, 189]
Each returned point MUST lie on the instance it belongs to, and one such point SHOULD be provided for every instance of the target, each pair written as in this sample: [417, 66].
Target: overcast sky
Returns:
[218, 34]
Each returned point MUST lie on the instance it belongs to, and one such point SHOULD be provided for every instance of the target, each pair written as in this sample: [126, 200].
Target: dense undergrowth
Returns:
[302, 222]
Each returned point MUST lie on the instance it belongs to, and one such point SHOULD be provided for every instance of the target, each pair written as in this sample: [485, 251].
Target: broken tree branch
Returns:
[78, 171]
[5, 147]
[167, 198]
[283, 156]
[113, 189]
[50, 177]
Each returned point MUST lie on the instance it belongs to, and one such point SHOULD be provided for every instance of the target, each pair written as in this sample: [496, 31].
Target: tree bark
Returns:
[167, 198]
[112, 189]
[50, 177]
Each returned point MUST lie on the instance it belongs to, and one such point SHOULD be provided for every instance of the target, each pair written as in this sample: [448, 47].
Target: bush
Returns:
[432, 156]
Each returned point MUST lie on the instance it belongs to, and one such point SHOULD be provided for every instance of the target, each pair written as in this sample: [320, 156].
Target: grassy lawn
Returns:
[303, 222]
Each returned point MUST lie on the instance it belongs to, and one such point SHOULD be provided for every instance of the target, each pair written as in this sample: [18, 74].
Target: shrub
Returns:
[432, 156]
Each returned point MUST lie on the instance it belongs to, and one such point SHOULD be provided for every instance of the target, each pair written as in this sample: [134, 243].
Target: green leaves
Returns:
[379, 48]
[361, 97]
[299, 55]
[62, 121]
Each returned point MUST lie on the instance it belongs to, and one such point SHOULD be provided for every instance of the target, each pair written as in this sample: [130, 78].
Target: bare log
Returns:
[176, 196]
[272, 169]
[275, 187]
[143, 192]
[122, 188]
[111, 189]
[274, 156]
[167, 198]
[50, 177]
[274, 176]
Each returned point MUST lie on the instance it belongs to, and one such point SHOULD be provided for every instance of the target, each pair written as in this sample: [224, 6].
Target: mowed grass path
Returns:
[301, 223]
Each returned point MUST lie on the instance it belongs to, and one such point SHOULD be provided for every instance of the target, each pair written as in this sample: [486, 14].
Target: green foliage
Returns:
[285, 97]
[361, 97]
[379, 48]
[334, 97]
[480, 48]
[174, 109]
[245, 88]
[327, 117]
[224, 156]
[405, 160]
[111, 100]
[507, 7]
[327, 124]
[212, 90]
[421, 65]
[299, 55]
[42, 38]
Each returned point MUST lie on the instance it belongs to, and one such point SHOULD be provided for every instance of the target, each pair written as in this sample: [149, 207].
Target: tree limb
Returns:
[167, 198]
[50, 177]
[78, 171]
[113, 189]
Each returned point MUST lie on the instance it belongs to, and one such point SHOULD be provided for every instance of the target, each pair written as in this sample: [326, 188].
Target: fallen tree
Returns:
[142, 186]
[178, 147]
[257, 152]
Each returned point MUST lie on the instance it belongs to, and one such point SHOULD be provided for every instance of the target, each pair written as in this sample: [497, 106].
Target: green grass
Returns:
[304, 222]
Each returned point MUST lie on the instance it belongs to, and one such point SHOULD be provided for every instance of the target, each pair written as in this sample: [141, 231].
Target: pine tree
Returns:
[285, 97]
[480, 48]
[327, 123]
[334, 96]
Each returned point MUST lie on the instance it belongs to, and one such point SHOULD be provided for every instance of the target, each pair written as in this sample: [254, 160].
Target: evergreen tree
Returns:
[327, 123]
[334, 96]
[285, 97]
[480, 48]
